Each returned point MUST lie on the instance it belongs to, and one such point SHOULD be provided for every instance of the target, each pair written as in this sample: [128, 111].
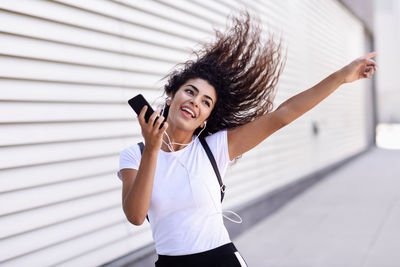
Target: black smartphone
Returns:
[137, 103]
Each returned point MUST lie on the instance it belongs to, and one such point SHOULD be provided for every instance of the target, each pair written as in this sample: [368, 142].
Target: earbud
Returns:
[205, 123]
[165, 104]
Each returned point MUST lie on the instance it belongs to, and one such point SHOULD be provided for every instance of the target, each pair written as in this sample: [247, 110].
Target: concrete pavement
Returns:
[349, 219]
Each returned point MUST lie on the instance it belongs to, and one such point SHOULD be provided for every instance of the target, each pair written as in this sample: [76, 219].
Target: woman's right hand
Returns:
[150, 131]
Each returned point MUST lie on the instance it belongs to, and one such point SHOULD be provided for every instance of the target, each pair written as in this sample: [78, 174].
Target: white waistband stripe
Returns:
[240, 259]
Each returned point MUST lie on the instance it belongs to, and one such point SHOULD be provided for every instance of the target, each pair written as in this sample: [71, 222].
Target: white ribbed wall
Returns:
[67, 69]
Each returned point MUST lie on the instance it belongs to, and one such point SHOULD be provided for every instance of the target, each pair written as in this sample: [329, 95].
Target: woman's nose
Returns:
[195, 101]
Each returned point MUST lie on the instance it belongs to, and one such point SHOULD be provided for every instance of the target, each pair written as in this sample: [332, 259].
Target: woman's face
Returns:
[192, 104]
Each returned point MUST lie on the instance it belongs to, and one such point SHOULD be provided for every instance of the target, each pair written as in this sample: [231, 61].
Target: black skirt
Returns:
[224, 256]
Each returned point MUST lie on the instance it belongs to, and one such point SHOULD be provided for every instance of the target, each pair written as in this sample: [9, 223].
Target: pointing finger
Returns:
[369, 55]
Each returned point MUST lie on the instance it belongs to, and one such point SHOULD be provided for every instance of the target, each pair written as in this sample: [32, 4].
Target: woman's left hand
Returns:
[362, 67]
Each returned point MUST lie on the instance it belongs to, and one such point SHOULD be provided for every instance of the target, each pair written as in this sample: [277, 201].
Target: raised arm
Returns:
[245, 137]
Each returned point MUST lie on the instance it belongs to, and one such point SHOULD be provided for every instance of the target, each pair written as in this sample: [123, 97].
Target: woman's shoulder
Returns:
[129, 158]
[218, 143]
[217, 140]
[132, 150]
[217, 136]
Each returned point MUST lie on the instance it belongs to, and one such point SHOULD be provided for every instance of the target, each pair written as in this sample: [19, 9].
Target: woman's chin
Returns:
[186, 127]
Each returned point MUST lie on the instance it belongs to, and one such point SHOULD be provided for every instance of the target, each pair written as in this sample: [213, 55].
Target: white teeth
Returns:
[188, 110]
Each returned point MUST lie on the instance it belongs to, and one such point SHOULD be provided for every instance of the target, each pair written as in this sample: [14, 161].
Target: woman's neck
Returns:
[176, 136]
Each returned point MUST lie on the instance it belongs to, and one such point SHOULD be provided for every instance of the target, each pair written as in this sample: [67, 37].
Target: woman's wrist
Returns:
[151, 151]
[340, 76]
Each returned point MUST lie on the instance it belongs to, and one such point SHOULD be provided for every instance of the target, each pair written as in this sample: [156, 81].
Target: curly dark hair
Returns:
[243, 71]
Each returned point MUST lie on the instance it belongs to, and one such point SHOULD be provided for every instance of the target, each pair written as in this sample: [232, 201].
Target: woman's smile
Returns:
[186, 114]
[188, 110]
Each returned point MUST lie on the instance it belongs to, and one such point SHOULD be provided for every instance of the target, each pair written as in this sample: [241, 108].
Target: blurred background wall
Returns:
[387, 35]
[67, 69]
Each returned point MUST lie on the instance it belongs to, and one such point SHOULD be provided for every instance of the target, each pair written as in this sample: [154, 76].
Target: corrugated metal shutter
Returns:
[67, 69]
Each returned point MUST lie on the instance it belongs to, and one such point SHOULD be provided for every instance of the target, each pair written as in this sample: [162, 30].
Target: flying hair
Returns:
[243, 69]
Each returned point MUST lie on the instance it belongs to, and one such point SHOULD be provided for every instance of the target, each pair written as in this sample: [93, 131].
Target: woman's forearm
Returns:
[137, 200]
[294, 107]
[299, 104]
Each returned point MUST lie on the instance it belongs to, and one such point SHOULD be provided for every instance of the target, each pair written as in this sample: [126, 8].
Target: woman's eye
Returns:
[206, 102]
[189, 91]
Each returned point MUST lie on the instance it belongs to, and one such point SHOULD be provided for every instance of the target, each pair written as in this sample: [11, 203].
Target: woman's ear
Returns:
[168, 100]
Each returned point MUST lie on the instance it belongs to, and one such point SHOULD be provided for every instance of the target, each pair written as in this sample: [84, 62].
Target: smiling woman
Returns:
[230, 84]
[217, 108]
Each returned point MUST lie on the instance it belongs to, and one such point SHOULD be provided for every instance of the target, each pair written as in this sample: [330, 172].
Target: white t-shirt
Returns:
[185, 214]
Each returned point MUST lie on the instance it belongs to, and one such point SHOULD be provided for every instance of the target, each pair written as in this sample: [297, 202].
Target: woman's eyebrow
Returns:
[197, 90]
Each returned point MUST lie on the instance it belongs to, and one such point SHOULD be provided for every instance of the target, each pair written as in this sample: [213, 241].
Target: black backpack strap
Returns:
[214, 164]
[141, 145]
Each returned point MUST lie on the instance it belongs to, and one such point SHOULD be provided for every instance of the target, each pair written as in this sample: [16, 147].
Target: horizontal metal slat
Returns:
[107, 253]
[58, 152]
[15, 224]
[24, 68]
[54, 234]
[136, 17]
[55, 193]
[40, 133]
[169, 13]
[61, 14]
[58, 112]
[79, 246]
[220, 9]
[28, 177]
[25, 90]
[15, 24]
[195, 10]
[43, 50]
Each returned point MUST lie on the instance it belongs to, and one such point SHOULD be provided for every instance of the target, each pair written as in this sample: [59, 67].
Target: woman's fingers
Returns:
[371, 62]
[370, 55]
[153, 117]
[151, 130]
[141, 116]
[368, 72]
[158, 122]
[370, 65]
[162, 130]
[362, 67]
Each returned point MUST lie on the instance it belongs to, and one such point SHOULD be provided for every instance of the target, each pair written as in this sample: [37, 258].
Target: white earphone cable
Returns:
[169, 145]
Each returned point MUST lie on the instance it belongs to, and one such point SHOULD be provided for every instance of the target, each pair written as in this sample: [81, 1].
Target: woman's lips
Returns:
[186, 114]
[189, 110]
